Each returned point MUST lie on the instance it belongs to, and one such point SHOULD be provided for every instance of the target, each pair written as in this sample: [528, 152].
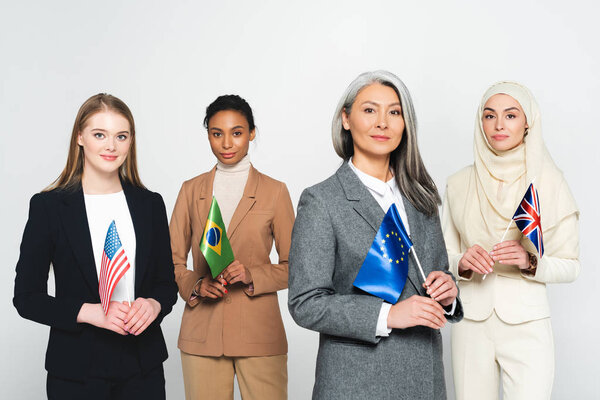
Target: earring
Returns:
[526, 132]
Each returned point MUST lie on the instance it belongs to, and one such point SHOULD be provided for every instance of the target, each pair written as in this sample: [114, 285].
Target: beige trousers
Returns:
[211, 378]
[523, 354]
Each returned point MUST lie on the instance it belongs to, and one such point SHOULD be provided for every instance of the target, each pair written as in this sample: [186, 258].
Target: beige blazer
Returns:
[515, 296]
[242, 323]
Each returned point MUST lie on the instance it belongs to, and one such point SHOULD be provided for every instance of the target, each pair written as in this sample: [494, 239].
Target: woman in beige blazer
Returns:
[506, 328]
[232, 325]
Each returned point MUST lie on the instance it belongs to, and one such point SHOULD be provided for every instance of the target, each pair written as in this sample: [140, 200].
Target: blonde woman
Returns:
[93, 355]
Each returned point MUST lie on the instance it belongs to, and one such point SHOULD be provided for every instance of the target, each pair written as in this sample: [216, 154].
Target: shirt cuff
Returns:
[382, 328]
[451, 312]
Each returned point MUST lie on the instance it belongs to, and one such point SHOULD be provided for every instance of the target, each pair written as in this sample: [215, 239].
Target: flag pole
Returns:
[127, 289]
[509, 222]
[412, 250]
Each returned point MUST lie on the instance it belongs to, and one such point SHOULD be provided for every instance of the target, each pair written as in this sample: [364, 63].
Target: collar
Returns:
[241, 166]
[371, 182]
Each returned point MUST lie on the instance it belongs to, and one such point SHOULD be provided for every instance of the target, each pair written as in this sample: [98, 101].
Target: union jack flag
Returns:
[114, 265]
[527, 218]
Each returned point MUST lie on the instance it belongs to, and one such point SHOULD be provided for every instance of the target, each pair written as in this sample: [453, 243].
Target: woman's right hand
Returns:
[212, 288]
[476, 259]
[416, 310]
[93, 314]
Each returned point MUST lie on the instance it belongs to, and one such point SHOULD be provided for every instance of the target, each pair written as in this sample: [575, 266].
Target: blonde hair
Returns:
[70, 177]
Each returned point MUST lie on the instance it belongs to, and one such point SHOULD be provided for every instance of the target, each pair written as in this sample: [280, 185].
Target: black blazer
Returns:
[57, 233]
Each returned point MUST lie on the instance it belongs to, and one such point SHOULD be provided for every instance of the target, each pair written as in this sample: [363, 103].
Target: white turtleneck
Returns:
[228, 186]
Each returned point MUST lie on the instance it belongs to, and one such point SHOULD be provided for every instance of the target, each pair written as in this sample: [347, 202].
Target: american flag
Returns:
[114, 265]
[527, 218]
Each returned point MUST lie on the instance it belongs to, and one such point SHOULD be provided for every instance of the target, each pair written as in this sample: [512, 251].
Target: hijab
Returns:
[500, 178]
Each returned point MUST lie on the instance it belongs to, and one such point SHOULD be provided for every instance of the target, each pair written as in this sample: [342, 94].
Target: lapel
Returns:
[362, 201]
[417, 236]
[206, 194]
[368, 208]
[140, 209]
[75, 224]
[246, 202]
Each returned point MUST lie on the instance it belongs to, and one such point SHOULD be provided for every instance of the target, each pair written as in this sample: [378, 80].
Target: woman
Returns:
[370, 349]
[231, 325]
[507, 316]
[94, 354]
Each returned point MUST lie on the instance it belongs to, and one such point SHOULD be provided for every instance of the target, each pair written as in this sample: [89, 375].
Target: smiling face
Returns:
[105, 140]
[229, 136]
[504, 122]
[375, 122]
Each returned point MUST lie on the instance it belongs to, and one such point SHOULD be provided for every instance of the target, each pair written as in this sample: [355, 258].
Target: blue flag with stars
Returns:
[384, 271]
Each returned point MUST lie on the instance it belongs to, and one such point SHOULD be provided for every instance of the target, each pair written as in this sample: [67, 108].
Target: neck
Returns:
[376, 166]
[242, 165]
[94, 182]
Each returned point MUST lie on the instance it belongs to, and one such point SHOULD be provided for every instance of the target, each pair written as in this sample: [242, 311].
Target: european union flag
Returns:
[384, 271]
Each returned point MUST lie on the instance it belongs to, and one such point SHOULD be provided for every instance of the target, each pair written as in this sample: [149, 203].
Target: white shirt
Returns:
[101, 210]
[386, 194]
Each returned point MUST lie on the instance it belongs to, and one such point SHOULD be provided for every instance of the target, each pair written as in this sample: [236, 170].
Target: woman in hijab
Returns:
[506, 324]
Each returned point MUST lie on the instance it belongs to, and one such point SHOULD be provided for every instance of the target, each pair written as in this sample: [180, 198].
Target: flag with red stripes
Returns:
[114, 265]
[528, 219]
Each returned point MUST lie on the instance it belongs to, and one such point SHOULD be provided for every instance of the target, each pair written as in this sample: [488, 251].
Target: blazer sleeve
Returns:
[164, 288]
[312, 299]
[181, 242]
[31, 297]
[268, 278]
[563, 265]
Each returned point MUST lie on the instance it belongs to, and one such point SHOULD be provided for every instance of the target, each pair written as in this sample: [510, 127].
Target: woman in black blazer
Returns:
[92, 354]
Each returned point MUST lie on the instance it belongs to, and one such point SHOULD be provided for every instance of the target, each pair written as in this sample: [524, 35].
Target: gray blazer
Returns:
[336, 224]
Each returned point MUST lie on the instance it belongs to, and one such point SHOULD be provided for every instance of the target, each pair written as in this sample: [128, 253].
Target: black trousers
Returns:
[149, 386]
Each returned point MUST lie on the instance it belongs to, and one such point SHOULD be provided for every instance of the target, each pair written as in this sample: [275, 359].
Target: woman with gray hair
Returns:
[369, 348]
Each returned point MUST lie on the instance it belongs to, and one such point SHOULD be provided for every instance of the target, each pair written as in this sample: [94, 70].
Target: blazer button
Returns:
[227, 299]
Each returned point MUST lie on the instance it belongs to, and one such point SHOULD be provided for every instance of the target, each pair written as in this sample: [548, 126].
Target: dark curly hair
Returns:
[230, 102]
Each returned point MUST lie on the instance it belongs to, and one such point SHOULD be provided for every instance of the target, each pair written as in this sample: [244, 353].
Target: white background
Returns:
[291, 61]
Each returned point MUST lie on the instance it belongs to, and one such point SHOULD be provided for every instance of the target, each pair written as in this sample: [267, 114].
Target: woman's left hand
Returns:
[142, 313]
[511, 252]
[236, 272]
[441, 287]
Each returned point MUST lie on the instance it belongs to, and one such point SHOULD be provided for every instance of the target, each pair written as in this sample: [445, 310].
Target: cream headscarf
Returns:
[500, 179]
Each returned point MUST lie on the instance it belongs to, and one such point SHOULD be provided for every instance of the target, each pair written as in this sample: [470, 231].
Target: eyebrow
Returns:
[506, 109]
[378, 104]
[214, 128]
[104, 130]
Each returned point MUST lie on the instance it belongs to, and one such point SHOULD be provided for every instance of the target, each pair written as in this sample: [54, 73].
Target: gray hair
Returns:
[411, 176]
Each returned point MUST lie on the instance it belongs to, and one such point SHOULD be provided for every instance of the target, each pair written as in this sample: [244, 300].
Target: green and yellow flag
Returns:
[214, 244]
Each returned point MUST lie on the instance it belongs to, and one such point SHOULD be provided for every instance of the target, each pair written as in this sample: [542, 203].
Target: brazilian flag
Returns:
[214, 244]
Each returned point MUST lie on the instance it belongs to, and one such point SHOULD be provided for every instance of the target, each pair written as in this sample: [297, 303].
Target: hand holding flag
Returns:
[527, 217]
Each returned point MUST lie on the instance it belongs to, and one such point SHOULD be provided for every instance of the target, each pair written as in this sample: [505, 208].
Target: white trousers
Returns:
[522, 354]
